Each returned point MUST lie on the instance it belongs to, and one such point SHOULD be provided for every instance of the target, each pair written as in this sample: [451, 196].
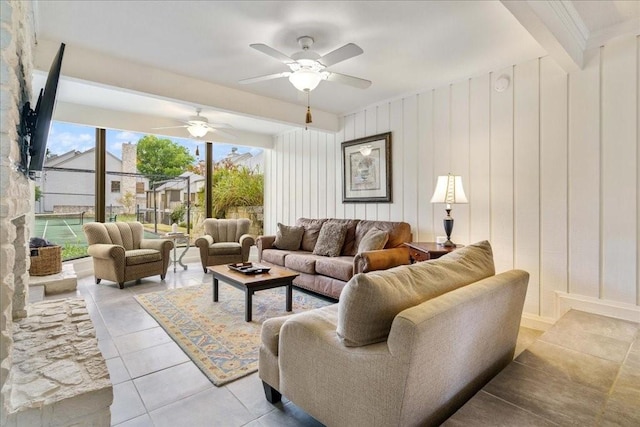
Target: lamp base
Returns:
[448, 228]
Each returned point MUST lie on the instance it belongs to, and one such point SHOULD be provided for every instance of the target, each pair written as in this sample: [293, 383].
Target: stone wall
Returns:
[58, 376]
[51, 370]
[16, 46]
[254, 213]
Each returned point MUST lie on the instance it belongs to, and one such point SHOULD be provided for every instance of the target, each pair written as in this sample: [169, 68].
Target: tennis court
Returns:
[66, 230]
[62, 229]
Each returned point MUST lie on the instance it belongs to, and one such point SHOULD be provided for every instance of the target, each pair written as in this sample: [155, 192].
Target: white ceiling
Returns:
[409, 46]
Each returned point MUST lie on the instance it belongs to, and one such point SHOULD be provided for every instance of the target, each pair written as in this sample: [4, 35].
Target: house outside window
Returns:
[174, 195]
[115, 186]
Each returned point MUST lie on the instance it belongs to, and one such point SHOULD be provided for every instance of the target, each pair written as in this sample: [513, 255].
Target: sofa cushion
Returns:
[374, 240]
[225, 248]
[340, 268]
[288, 237]
[370, 302]
[330, 239]
[275, 256]
[141, 256]
[304, 262]
[311, 231]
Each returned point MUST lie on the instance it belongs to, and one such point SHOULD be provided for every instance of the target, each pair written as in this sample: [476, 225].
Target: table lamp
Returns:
[449, 190]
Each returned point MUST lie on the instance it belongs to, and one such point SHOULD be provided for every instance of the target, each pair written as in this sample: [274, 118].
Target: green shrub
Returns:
[177, 215]
[236, 186]
[72, 251]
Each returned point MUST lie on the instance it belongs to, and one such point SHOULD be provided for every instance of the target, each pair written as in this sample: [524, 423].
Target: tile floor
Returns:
[585, 370]
[156, 384]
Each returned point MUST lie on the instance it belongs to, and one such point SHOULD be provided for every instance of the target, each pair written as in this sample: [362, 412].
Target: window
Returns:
[115, 186]
[139, 187]
[174, 195]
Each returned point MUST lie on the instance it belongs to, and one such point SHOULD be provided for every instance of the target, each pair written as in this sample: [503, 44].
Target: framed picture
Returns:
[366, 169]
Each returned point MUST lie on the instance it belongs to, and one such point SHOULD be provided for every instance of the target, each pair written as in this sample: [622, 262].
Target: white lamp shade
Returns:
[305, 80]
[449, 190]
[197, 130]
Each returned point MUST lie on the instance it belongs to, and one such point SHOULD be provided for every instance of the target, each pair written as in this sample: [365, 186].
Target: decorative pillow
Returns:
[312, 229]
[374, 240]
[330, 239]
[288, 237]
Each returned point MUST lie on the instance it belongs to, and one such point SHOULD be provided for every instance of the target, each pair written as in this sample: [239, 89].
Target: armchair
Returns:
[120, 252]
[225, 241]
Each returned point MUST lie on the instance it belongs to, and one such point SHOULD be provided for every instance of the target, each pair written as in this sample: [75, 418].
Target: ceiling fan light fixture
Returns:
[305, 80]
[198, 130]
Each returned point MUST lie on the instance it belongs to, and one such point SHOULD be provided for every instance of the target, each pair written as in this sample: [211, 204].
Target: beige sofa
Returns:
[403, 347]
[328, 275]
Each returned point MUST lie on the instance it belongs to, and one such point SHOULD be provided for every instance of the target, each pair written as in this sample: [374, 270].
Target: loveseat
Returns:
[403, 347]
[327, 275]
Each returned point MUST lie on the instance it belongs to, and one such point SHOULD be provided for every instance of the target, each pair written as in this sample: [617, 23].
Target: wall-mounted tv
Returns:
[35, 124]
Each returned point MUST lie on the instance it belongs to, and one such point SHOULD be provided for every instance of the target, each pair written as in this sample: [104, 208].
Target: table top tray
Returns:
[249, 268]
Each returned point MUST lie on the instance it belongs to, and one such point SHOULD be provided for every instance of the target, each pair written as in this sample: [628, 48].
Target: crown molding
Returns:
[557, 26]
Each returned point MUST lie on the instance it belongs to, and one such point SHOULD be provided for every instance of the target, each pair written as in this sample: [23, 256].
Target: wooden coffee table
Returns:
[250, 283]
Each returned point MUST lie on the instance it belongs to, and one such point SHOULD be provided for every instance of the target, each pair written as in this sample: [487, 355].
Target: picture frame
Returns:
[366, 169]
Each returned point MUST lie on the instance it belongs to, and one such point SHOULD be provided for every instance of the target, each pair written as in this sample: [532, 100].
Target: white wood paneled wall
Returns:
[550, 167]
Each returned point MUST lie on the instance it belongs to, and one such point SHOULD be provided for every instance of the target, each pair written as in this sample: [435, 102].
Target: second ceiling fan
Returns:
[198, 126]
[308, 68]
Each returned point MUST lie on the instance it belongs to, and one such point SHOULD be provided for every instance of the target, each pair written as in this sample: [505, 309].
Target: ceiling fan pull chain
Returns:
[308, 118]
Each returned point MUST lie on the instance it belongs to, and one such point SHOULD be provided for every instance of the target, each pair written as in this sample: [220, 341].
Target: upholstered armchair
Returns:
[121, 253]
[225, 241]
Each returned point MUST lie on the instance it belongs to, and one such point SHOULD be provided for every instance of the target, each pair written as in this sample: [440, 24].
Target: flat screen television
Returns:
[36, 123]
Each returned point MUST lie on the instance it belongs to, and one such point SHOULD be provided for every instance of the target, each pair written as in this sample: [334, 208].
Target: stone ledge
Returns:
[58, 376]
[65, 281]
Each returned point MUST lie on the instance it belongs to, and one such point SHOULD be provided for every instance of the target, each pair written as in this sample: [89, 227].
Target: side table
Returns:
[424, 251]
[178, 238]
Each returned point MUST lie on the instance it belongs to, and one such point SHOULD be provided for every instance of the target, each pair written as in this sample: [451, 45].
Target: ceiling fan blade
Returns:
[222, 133]
[266, 77]
[272, 53]
[349, 80]
[170, 127]
[220, 125]
[340, 54]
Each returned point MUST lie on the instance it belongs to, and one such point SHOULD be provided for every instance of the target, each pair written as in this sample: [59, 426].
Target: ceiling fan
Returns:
[308, 68]
[198, 126]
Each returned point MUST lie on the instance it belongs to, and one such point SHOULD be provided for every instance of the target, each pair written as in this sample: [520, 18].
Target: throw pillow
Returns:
[311, 231]
[374, 240]
[330, 239]
[288, 237]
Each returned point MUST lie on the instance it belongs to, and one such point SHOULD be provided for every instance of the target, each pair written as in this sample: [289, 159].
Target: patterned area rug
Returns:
[215, 335]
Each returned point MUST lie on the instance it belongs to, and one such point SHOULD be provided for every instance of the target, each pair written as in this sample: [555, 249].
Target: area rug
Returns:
[215, 335]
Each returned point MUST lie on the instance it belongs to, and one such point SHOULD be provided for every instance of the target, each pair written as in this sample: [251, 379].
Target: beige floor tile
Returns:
[578, 339]
[212, 407]
[487, 410]
[526, 337]
[623, 407]
[553, 398]
[618, 329]
[571, 365]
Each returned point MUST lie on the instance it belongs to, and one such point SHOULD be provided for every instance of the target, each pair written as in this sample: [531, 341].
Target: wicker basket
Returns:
[47, 261]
